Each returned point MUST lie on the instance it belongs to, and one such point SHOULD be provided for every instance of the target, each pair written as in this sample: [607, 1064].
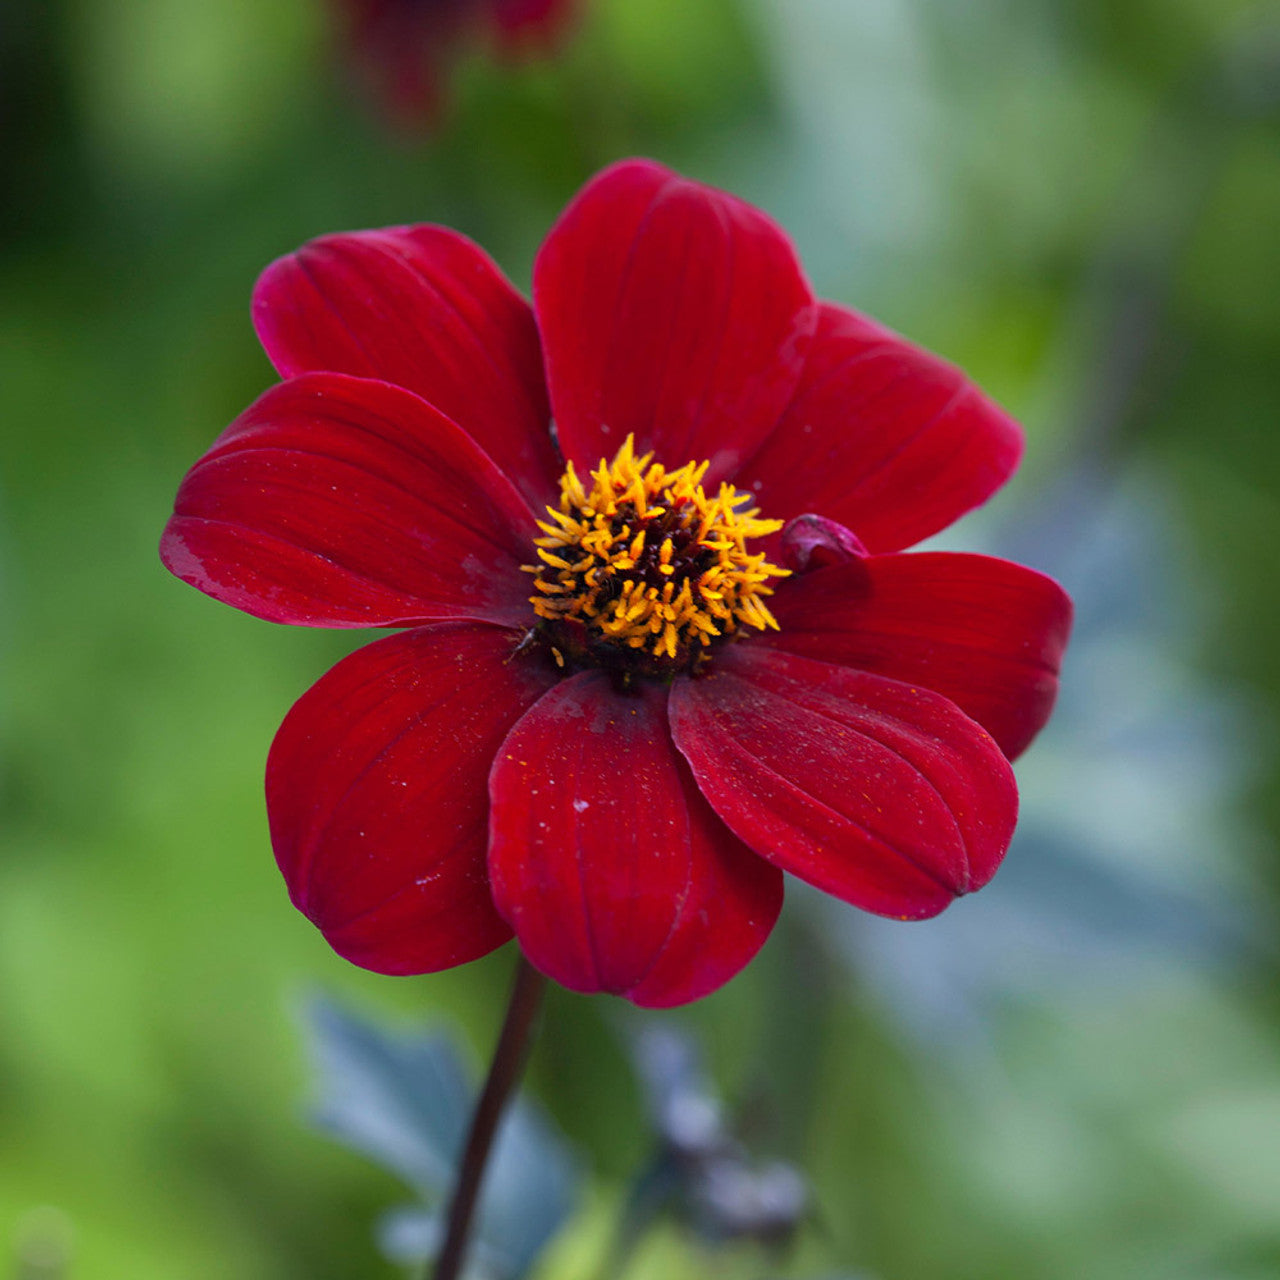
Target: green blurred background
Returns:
[1077, 200]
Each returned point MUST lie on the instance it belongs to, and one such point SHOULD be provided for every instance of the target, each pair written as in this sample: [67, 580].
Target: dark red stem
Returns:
[508, 1062]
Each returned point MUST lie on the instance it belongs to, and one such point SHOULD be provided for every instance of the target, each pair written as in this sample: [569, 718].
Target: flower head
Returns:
[644, 573]
[404, 47]
[650, 658]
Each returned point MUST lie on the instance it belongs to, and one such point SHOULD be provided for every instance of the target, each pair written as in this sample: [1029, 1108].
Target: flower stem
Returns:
[508, 1062]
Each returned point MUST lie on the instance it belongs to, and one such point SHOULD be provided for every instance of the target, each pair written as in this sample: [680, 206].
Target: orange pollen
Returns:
[643, 562]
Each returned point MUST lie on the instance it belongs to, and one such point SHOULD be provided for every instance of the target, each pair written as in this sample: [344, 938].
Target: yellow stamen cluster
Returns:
[644, 561]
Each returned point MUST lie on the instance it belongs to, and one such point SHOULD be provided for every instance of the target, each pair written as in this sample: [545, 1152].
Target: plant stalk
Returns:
[504, 1071]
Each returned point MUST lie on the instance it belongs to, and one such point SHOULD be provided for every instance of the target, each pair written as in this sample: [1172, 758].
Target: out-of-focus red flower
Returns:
[649, 658]
[403, 48]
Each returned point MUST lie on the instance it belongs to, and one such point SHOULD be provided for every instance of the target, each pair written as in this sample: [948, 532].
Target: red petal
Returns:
[377, 791]
[608, 863]
[877, 792]
[344, 502]
[671, 311]
[882, 437]
[983, 632]
[427, 309]
[813, 542]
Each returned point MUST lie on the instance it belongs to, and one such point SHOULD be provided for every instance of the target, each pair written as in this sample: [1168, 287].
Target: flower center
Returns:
[643, 572]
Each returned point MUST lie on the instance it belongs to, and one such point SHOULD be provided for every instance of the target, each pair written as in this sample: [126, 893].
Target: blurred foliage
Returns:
[403, 1100]
[1076, 199]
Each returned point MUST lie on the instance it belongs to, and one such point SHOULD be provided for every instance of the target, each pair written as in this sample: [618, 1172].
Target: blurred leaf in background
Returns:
[700, 1170]
[405, 1101]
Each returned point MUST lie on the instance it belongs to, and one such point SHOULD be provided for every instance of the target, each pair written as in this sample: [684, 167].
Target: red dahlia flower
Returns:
[404, 46]
[650, 657]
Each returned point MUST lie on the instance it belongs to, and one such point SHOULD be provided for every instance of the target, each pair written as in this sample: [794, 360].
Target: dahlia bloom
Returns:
[404, 47]
[650, 657]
